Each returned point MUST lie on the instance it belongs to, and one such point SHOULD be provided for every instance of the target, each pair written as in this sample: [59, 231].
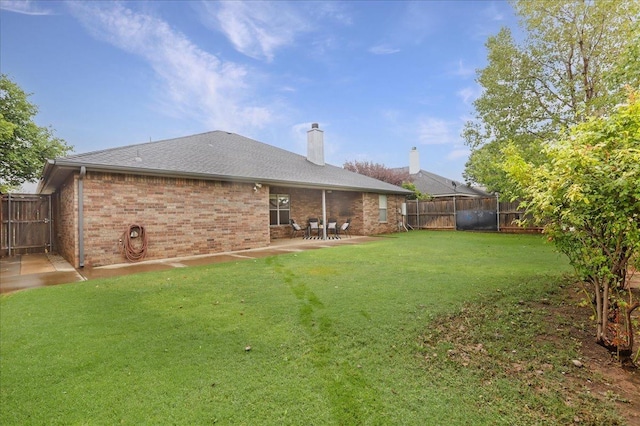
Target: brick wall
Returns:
[371, 207]
[65, 220]
[181, 217]
[184, 217]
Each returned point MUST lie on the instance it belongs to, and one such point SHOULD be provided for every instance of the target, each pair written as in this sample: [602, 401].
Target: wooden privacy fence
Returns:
[478, 214]
[25, 224]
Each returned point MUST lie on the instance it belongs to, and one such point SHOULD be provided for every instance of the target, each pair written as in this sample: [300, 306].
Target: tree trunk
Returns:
[598, 297]
[605, 308]
[630, 310]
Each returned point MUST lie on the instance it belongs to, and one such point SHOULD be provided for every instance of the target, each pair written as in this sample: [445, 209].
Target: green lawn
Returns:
[345, 335]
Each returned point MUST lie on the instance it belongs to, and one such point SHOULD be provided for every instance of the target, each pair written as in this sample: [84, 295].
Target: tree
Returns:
[587, 197]
[24, 146]
[378, 171]
[417, 195]
[561, 74]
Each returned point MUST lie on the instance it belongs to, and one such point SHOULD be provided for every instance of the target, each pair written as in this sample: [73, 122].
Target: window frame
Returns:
[382, 208]
[278, 209]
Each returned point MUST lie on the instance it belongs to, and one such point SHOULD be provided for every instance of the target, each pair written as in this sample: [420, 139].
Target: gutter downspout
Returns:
[83, 172]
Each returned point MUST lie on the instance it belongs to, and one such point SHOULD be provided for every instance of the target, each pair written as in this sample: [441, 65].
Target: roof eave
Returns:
[56, 171]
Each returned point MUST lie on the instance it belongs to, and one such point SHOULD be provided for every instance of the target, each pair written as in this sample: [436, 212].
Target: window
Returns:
[382, 208]
[279, 209]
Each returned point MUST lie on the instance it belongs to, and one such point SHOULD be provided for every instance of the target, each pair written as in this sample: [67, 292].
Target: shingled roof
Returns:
[216, 155]
[439, 186]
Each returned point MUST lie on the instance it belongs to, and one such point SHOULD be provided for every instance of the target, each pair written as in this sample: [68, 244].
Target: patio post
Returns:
[324, 215]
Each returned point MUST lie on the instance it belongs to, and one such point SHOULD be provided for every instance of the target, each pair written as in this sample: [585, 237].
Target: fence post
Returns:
[455, 215]
[50, 220]
[498, 211]
[9, 225]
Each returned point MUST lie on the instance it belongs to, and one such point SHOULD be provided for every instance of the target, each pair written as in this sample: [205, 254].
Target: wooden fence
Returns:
[25, 224]
[466, 213]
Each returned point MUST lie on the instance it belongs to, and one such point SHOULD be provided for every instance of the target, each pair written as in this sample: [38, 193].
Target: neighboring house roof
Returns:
[439, 186]
[216, 155]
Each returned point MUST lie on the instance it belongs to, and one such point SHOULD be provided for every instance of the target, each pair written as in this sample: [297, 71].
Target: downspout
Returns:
[83, 172]
[324, 215]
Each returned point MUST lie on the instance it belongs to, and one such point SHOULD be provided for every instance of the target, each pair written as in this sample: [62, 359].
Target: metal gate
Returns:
[26, 224]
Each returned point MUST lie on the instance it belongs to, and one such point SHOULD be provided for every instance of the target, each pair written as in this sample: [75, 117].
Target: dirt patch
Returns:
[610, 380]
[541, 343]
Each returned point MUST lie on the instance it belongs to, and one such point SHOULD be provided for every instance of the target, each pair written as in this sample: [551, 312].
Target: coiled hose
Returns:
[134, 243]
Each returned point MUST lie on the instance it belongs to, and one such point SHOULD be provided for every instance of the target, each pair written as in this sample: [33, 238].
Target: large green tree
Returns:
[24, 146]
[575, 60]
[587, 197]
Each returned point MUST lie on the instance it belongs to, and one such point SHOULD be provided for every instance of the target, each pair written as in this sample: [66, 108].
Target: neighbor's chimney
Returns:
[315, 145]
[414, 161]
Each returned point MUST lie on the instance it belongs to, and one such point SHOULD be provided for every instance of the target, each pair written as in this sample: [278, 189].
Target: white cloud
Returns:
[26, 7]
[299, 131]
[469, 94]
[456, 154]
[493, 13]
[331, 10]
[194, 83]
[299, 135]
[383, 49]
[432, 131]
[256, 29]
[463, 70]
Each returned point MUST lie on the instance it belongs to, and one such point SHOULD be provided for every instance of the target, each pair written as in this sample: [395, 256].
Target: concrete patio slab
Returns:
[35, 270]
[38, 270]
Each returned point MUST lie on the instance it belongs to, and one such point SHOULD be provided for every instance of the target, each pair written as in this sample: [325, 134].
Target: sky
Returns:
[379, 77]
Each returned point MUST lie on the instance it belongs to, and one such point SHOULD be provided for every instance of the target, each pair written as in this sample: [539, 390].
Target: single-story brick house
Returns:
[202, 194]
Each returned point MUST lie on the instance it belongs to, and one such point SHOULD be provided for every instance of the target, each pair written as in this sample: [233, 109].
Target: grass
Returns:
[379, 333]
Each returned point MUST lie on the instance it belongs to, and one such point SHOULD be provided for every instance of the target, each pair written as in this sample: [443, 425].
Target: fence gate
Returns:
[26, 224]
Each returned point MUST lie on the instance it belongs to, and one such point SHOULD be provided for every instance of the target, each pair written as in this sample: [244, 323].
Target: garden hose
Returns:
[134, 243]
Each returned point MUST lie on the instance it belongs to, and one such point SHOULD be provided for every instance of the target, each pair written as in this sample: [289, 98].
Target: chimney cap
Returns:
[314, 125]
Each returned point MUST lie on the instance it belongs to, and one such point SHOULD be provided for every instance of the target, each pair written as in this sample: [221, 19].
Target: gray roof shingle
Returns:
[439, 186]
[216, 155]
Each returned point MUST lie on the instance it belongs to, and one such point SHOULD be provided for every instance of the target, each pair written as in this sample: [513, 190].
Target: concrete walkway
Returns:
[39, 270]
[35, 270]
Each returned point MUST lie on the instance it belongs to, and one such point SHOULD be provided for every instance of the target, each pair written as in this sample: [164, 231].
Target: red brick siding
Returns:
[65, 220]
[181, 217]
[371, 210]
[184, 217]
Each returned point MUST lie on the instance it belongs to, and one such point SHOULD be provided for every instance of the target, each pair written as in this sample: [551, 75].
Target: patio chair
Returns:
[313, 227]
[332, 227]
[345, 228]
[295, 228]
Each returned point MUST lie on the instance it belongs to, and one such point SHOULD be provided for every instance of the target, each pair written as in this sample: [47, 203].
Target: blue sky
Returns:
[379, 77]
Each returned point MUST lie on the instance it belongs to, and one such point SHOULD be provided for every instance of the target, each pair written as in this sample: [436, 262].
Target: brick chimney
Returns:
[315, 145]
[414, 161]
